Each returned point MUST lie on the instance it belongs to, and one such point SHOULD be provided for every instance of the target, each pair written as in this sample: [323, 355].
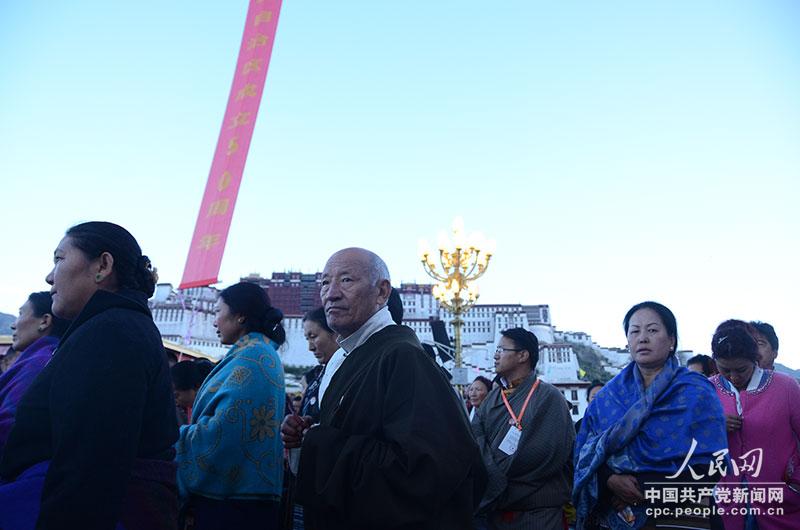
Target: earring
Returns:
[40, 328]
[98, 277]
[241, 321]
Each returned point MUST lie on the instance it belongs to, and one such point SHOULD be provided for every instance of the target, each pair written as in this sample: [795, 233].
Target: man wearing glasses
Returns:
[525, 434]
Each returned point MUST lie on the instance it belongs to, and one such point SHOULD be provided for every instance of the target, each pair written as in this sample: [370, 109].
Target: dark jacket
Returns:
[539, 473]
[393, 448]
[102, 411]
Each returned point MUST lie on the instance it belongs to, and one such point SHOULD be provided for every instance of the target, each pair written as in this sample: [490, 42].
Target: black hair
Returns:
[769, 333]
[595, 384]
[395, 305]
[132, 269]
[524, 340]
[253, 304]
[204, 366]
[734, 323]
[709, 368]
[42, 304]
[318, 315]
[667, 318]
[485, 381]
[189, 375]
[734, 341]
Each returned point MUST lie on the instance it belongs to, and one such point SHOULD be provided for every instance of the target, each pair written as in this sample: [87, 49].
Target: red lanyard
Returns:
[517, 420]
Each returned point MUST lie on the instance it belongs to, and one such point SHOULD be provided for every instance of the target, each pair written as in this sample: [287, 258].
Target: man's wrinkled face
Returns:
[350, 295]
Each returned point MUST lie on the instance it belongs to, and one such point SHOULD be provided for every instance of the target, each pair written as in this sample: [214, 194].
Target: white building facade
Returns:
[186, 317]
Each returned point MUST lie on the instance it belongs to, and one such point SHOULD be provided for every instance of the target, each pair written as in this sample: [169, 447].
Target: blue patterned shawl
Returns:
[232, 448]
[636, 430]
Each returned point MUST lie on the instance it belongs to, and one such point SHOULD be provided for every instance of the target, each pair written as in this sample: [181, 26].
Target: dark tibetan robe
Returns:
[539, 474]
[102, 414]
[393, 448]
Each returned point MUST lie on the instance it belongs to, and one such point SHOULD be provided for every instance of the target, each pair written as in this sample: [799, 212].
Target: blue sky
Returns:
[615, 151]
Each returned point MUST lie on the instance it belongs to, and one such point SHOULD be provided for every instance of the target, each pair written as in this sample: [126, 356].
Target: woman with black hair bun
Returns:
[230, 457]
[92, 446]
[35, 335]
[763, 423]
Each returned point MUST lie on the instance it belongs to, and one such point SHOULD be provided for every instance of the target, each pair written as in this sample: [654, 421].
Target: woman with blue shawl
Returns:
[654, 422]
[230, 457]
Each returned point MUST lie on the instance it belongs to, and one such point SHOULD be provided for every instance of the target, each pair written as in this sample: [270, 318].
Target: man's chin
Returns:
[337, 321]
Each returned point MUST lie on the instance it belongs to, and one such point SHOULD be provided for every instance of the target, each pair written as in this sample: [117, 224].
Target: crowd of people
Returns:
[97, 431]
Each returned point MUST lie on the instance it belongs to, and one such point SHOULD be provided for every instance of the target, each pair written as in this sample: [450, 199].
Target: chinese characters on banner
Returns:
[216, 210]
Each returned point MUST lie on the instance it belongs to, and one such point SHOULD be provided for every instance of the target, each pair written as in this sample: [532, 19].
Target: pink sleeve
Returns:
[793, 395]
[726, 407]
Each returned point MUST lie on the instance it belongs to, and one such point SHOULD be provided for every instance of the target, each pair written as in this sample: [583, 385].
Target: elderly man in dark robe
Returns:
[393, 448]
[525, 433]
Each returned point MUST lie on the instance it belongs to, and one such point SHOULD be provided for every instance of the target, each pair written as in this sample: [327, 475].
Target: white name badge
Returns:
[511, 441]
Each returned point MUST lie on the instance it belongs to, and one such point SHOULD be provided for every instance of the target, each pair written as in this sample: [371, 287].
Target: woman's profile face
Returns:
[477, 393]
[72, 279]
[321, 342]
[230, 327]
[25, 329]
[648, 340]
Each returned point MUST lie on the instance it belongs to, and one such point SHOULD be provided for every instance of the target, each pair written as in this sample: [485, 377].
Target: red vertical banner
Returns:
[222, 188]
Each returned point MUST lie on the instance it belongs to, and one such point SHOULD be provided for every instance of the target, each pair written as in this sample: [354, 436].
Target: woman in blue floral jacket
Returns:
[230, 457]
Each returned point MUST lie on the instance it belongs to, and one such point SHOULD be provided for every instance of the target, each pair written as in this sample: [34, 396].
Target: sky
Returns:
[615, 151]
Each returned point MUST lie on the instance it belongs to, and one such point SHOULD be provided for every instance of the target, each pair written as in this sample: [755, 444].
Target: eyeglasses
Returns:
[500, 349]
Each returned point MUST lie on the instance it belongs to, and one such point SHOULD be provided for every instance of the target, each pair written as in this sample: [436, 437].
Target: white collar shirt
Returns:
[381, 319]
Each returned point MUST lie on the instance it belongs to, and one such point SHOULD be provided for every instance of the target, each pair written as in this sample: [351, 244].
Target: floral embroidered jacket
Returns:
[232, 448]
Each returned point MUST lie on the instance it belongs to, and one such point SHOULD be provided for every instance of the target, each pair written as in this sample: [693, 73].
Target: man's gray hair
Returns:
[378, 271]
[375, 267]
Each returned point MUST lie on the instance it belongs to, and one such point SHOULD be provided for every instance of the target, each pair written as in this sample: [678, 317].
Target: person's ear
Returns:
[105, 267]
[384, 290]
[45, 322]
[524, 356]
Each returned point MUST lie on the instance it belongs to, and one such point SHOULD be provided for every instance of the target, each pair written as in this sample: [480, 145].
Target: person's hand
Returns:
[292, 430]
[732, 422]
[626, 488]
[618, 504]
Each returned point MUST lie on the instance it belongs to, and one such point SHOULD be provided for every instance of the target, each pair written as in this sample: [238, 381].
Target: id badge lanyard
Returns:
[517, 420]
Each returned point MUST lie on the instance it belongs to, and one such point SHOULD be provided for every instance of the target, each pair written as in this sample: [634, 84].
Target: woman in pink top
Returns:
[762, 486]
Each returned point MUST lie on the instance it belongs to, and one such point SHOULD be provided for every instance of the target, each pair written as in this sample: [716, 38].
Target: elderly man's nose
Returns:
[334, 291]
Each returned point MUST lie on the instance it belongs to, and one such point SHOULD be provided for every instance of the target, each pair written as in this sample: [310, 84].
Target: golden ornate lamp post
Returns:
[461, 261]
